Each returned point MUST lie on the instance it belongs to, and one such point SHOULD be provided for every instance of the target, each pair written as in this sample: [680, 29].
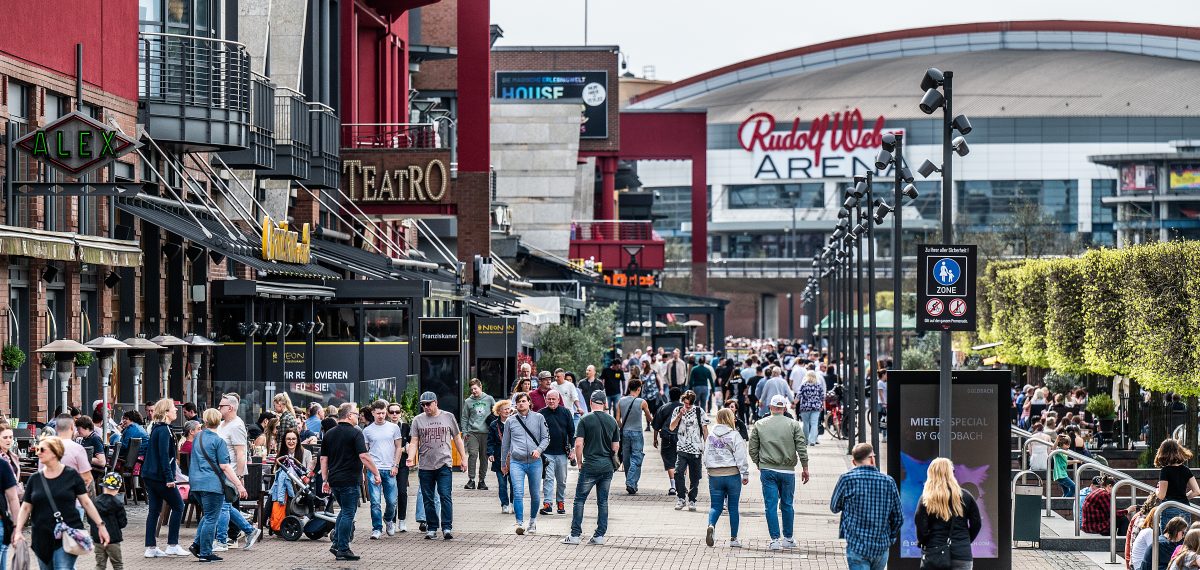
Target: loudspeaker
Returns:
[194, 252]
[112, 279]
[216, 257]
[170, 250]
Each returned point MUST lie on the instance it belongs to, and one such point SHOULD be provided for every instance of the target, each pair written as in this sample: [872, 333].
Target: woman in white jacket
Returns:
[726, 461]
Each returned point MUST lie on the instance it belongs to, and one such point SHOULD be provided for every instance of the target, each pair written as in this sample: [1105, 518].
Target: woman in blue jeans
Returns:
[158, 475]
[53, 492]
[210, 467]
[728, 469]
[501, 410]
[811, 398]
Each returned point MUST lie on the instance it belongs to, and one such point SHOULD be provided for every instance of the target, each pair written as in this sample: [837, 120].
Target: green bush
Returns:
[1158, 333]
[1105, 316]
[1031, 315]
[573, 348]
[924, 353]
[1064, 316]
[12, 357]
[1102, 406]
[84, 359]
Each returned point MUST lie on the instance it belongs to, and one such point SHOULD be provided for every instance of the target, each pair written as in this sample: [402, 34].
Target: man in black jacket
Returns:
[561, 424]
[590, 383]
[661, 428]
[614, 383]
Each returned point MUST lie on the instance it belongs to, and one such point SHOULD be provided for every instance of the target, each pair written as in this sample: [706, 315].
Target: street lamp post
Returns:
[874, 402]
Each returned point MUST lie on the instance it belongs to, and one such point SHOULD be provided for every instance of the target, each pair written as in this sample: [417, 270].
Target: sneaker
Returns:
[787, 543]
[346, 555]
[692, 506]
[482, 486]
[333, 550]
[735, 543]
[679, 504]
[194, 549]
[570, 539]
[562, 509]
[390, 528]
[424, 527]
[597, 540]
[506, 509]
[403, 526]
[775, 544]
[708, 535]
[519, 529]
[545, 509]
[211, 558]
[671, 491]
[430, 535]
[375, 534]
[532, 528]
[630, 490]
[469, 485]
[175, 550]
[252, 538]
[447, 534]
[154, 552]
[219, 546]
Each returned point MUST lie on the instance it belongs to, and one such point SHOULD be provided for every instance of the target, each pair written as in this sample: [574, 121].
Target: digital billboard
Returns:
[589, 86]
[1185, 176]
[1135, 177]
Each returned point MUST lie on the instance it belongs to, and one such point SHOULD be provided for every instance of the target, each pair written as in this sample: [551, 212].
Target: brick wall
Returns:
[583, 59]
[438, 28]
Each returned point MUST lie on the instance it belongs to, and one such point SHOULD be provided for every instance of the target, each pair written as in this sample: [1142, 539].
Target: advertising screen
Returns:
[589, 86]
[980, 431]
[1185, 177]
[1136, 177]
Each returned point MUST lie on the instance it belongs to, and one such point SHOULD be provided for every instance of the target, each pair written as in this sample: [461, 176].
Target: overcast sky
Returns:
[683, 38]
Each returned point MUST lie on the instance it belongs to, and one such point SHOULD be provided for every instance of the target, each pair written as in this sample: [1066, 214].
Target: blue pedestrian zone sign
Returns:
[946, 271]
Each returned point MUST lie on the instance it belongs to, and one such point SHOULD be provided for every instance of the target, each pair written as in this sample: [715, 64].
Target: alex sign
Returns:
[281, 244]
[396, 177]
[76, 144]
[837, 145]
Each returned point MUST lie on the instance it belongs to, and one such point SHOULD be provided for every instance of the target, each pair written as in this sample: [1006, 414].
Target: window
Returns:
[1102, 215]
[672, 208]
[802, 195]
[986, 204]
[385, 325]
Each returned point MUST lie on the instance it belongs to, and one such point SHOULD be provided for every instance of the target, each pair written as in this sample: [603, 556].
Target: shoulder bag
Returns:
[937, 556]
[74, 541]
[231, 494]
[532, 438]
[624, 419]
[616, 459]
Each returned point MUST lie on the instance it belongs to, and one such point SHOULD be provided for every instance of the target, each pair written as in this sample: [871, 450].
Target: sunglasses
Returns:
[426, 404]
[393, 411]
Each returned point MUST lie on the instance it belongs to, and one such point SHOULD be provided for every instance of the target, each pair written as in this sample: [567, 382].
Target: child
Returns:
[112, 511]
[1060, 467]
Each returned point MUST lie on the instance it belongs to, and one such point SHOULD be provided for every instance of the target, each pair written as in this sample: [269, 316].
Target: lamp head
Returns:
[927, 168]
[888, 142]
[932, 101]
[883, 159]
[961, 124]
[910, 191]
[959, 144]
[933, 79]
[906, 174]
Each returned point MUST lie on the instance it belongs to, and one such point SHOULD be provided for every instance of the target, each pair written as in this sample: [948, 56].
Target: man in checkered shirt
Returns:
[870, 507]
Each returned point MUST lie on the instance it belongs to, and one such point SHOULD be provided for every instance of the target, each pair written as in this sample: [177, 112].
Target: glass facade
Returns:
[1102, 216]
[754, 196]
[984, 205]
[672, 208]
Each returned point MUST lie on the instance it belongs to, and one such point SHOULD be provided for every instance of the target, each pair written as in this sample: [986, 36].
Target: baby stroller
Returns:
[308, 513]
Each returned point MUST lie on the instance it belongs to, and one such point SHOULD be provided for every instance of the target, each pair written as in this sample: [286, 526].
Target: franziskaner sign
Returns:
[834, 145]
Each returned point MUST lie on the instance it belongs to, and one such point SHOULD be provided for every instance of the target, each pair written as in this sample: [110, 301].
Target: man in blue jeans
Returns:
[433, 432]
[343, 455]
[870, 507]
[525, 439]
[596, 443]
[385, 443]
[233, 431]
[629, 416]
[775, 444]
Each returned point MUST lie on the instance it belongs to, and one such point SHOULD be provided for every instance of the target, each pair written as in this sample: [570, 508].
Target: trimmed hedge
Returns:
[1133, 311]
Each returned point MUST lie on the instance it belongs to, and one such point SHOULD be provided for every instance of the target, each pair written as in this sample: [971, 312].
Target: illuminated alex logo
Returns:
[972, 479]
[76, 144]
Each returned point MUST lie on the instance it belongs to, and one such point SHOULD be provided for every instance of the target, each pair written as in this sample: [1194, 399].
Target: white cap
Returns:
[779, 401]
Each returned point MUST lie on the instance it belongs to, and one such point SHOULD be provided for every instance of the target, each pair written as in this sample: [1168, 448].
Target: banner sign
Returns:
[496, 337]
[440, 335]
[590, 86]
[1185, 176]
[374, 176]
[76, 144]
[979, 450]
[838, 145]
[946, 287]
[1138, 177]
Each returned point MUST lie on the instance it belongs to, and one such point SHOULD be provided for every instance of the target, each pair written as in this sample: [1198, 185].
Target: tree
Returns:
[571, 347]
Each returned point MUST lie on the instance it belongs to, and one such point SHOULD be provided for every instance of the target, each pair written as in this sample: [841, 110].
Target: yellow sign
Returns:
[281, 244]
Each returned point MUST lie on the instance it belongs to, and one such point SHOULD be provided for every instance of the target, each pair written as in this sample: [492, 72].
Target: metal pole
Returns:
[874, 403]
[848, 413]
[79, 77]
[791, 316]
[860, 354]
[944, 390]
[897, 249]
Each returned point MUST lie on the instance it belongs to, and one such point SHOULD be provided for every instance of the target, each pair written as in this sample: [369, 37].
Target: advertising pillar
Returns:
[440, 345]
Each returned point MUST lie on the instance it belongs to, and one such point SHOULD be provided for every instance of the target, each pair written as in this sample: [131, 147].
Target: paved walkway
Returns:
[644, 532]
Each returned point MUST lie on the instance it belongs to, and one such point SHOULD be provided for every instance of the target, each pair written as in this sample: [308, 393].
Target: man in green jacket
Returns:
[775, 444]
[473, 425]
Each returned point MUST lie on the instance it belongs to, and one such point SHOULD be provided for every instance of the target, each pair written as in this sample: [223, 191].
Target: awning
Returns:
[217, 239]
[271, 289]
[539, 310]
[62, 246]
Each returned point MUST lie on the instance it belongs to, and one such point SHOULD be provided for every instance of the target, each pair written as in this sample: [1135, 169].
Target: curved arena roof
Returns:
[1016, 69]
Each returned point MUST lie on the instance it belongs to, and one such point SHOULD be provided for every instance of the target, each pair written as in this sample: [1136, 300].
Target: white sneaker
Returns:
[176, 550]
[390, 528]
[219, 546]
[692, 506]
[506, 509]
[775, 545]
[597, 540]
[679, 503]
[375, 534]
[519, 529]
[570, 539]
[154, 552]
[788, 543]
[403, 526]
[735, 543]
[532, 528]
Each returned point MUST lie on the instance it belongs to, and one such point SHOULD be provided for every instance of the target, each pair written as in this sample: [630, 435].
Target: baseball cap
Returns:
[428, 397]
[544, 374]
[779, 401]
[111, 481]
[598, 397]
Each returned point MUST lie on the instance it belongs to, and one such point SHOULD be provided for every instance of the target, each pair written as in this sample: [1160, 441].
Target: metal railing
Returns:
[1133, 485]
[390, 135]
[613, 230]
[193, 71]
[1088, 463]
[1157, 514]
[262, 110]
[291, 118]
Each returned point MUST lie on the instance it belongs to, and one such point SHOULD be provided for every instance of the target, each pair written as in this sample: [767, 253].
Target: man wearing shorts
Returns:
[661, 428]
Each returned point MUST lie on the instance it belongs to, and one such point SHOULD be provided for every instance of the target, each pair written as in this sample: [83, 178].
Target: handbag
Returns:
[625, 418]
[74, 541]
[231, 494]
[937, 556]
[616, 459]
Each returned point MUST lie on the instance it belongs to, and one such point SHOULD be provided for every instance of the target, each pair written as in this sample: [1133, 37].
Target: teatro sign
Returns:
[389, 177]
[837, 145]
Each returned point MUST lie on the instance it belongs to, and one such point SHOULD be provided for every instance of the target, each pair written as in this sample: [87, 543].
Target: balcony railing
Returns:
[609, 242]
[620, 230]
[390, 135]
[195, 91]
[261, 154]
[324, 169]
[292, 138]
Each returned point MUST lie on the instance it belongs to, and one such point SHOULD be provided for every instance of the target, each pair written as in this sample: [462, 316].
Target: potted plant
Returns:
[48, 359]
[83, 360]
[12, 357]
[1103, 408]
